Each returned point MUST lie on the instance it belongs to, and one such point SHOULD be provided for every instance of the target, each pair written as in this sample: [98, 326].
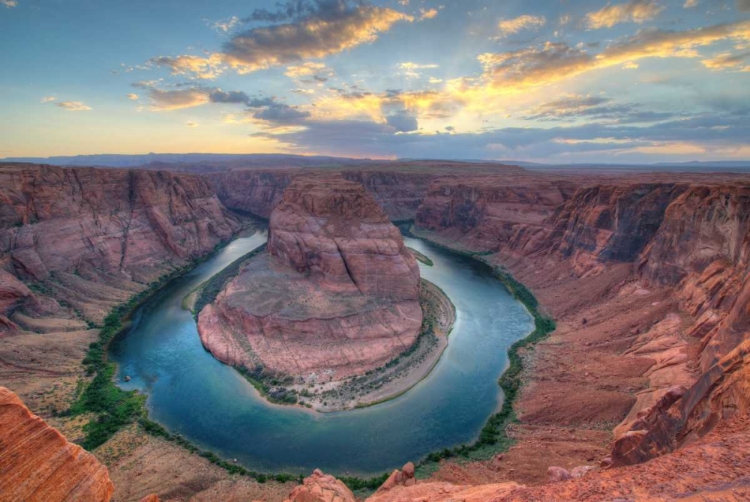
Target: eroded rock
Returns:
[37, 463]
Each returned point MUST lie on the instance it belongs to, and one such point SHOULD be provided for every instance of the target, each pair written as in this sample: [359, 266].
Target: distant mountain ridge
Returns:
[153, 160]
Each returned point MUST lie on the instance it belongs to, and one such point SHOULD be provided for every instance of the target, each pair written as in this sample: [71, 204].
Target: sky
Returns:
[556, 81]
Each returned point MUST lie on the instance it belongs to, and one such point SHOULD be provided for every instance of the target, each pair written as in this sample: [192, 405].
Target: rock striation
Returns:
[337, 293]
[93, 237]
[37, 463]
[683, 243]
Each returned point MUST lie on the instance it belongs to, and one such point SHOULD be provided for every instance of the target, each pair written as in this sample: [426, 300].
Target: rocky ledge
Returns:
[335, 296]
[37, 463]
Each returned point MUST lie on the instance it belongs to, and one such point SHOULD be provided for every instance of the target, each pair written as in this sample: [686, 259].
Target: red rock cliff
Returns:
[333, 230]
[37, 464]
[88, 233]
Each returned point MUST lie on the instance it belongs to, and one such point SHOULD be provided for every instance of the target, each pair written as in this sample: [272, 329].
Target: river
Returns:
[210, 404]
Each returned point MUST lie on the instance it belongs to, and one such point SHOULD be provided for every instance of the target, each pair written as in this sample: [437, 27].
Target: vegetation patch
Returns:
[493, 437]
[420, 257]
[112, 407]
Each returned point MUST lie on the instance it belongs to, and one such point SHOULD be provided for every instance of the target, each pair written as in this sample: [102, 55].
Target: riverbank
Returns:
[401, 374]
[420, 257]
[439, 271]
[494, 437]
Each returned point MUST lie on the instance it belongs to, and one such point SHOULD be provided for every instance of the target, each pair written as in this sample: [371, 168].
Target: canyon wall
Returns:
[493, 213]
[688, 238]
[258, 192]
[93, 237]
[37, 463]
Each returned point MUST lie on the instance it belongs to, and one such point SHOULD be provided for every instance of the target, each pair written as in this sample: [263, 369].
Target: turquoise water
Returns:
[191, 393]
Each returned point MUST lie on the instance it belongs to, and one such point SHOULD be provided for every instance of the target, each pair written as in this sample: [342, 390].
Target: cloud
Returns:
[280, 113]
[573, 107]
[48, 99]
[634, 11]
[206, 68]
[219, 96]
[174, 99]
[9, 3]
[685, 136]
[427, 14]
[73, 106]
[535, 66]
[192, 124]
[403, 122]
[411, 69]
[226, 25]
[743, 5]
[316, 29]
[555, 61]
[728, 61]
[525, 22]
[131, 96]
[689, 4]
[309, 69]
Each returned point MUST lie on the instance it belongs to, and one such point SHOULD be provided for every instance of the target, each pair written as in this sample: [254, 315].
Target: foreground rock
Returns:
[336, 295]
[37, 464]
[321, 488]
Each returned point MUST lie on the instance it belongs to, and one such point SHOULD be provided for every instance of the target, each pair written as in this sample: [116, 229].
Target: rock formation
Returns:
[93, 237]
[493, 213]
[258, 192]
[37, 463]
[336, 294]
[321, 488]
[688, 239]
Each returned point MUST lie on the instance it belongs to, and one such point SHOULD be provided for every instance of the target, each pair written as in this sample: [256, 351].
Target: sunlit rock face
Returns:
[686, 236]
[336, 295]
[37, 463]
[333, 230]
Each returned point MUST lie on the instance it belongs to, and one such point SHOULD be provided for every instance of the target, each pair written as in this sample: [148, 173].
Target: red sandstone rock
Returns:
[337, 294]
[403, 477]
[37, 464]
[321, 488]
[556, 474]
[334, 230]
[96, 236]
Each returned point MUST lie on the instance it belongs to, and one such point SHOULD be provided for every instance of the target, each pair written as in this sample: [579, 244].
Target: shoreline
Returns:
[493, 437]
[393, 379]
[155, 429]
[415, 373]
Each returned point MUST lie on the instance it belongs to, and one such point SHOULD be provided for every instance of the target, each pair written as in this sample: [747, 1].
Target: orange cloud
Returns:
[73, 106]
[316, 36]
[635, 11]
[206, 68]
[520, 23]
[728, 61]
[557, 61]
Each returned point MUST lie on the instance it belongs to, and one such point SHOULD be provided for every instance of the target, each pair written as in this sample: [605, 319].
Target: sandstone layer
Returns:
[336, 295]
[399, 188]
[647, 279]
[94, 237]
[37, 463]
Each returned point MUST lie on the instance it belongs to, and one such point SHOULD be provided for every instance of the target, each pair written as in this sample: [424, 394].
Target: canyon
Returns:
[645, 381]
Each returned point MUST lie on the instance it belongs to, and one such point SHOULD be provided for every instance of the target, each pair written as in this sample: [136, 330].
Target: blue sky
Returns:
[551, 81]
